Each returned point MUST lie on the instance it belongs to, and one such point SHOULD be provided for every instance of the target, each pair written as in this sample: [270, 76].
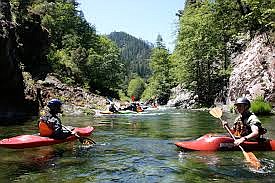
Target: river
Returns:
[134, 148]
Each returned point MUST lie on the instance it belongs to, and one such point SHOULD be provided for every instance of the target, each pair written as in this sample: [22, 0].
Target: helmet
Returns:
[242, 100]
[54, 103]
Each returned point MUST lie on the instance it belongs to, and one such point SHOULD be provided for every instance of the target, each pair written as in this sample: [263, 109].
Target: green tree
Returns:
[78, 55]
[200, 60]
[160, 81]
[136, 88]
[104, 71]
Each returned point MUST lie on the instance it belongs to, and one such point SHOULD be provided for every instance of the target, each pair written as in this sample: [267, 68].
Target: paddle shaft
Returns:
[79, 137]
[228, 130]
[217, 112]
[113, 102]
[75, 134]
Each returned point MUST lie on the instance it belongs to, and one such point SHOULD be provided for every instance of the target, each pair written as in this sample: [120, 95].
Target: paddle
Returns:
[83, 140]
[249, 156]
[110, 101]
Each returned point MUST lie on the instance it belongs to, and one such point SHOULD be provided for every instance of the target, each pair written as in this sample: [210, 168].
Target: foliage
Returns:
[198, 52]
[134, 52]
[62, 64]
[260, 106]
[136, 88]
[208, 31]
[123, 96]
[160, 81]
[260, 14]
[105, 71]
[77, 54]
[62, 19]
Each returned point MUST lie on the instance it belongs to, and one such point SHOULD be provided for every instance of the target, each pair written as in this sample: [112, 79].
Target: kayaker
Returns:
[131, 107]
[139, 108]
[112, 108]
[50, 124]
[246, 126]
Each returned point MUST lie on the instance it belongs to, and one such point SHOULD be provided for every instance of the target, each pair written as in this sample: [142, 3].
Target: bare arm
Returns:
[254, 133]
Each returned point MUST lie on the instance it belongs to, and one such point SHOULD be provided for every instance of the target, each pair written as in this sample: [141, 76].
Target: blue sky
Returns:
[143, 19]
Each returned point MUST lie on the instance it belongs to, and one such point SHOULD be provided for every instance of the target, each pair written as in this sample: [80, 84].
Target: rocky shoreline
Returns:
[77, 101]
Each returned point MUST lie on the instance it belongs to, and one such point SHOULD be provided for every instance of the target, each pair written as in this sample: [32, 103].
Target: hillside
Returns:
[134, 52]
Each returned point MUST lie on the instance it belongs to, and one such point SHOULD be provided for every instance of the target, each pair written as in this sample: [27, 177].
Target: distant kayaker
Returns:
[131, 107]
[139, 108]
[50, 124]
[247, 126]
[112, 108]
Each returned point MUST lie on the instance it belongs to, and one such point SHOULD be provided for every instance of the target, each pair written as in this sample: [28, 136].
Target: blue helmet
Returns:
[54, 103]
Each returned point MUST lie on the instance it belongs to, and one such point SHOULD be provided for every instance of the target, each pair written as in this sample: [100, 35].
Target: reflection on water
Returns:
[134, 148]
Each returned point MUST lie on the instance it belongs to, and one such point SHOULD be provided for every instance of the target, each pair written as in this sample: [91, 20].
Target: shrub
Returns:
[260, 106]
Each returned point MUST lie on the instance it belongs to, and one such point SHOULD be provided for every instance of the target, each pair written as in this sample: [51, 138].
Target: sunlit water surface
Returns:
[134, 148]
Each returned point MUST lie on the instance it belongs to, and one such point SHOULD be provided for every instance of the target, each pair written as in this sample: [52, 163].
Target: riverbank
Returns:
[77, 101]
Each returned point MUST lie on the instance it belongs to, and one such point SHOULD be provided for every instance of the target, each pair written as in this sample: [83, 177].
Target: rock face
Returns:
[20, 43]
[34, 43]
[182, 98]
[254, 72]
[76, 100]
[11, 79]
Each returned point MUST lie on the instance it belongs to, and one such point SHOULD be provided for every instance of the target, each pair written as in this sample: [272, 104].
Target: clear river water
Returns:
[134, 148]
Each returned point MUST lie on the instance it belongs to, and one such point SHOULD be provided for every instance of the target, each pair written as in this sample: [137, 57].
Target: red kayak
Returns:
[28, 141]
[214, 142]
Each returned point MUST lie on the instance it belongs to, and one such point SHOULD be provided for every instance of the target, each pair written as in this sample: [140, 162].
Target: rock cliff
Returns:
[76, 100]
[254, 71]
[11, 79]
[23, 45]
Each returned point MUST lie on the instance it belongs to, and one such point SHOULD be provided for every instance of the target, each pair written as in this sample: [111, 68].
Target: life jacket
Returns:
[44, 129]
[139, 109]
[241, 129]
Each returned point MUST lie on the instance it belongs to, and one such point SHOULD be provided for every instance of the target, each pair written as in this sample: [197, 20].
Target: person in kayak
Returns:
[131, 107]
[246, 126]
[112, 108]
[50, 124]
[139, 108]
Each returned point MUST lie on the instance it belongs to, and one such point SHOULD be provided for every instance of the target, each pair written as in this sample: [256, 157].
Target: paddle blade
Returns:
[216, 112]
[251, 158]
[86, 141]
